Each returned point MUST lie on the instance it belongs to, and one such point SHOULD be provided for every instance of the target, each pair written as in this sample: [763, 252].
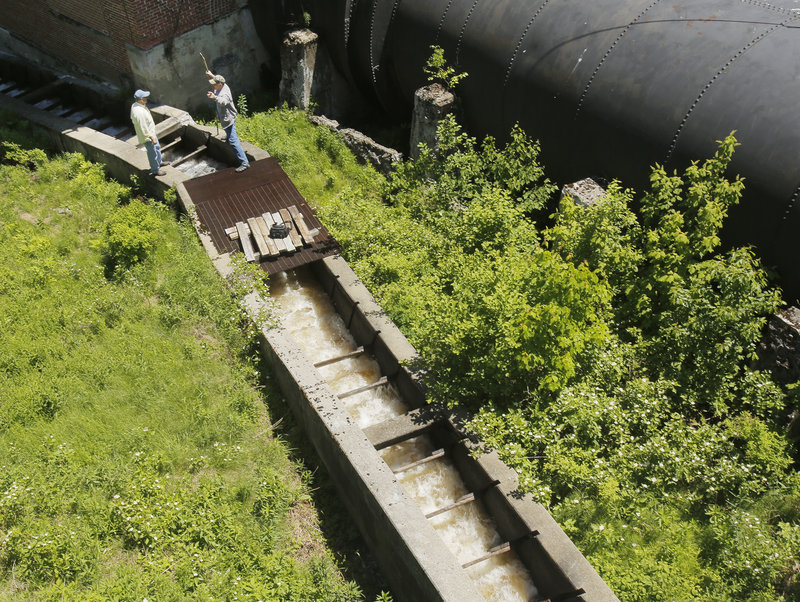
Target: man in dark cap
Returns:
[146, 131]
[220, 93]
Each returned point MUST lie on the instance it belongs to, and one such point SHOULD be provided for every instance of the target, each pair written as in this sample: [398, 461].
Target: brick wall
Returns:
[92, 34]
[155, 21]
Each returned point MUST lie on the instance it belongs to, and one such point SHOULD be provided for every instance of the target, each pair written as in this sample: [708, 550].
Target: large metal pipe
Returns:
[608, 87]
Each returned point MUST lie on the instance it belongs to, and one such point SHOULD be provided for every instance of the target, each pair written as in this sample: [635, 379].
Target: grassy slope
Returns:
[136, 454]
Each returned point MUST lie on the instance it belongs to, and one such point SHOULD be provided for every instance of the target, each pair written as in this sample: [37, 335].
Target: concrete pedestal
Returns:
[431, 104]
[298, 61]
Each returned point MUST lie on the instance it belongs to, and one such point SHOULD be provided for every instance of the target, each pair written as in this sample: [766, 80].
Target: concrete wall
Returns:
[416, 562]
[139, 44]
[88, 37]
[173, 70]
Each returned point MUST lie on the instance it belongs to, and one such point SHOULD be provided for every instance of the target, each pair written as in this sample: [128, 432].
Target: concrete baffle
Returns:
[298, 61]
[431, 104]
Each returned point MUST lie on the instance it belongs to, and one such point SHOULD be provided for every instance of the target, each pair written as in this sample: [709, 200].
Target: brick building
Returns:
[153, 44]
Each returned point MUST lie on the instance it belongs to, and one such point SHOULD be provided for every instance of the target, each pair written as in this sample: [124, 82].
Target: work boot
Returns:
[161, 172]
[242, 167]
[165, 163]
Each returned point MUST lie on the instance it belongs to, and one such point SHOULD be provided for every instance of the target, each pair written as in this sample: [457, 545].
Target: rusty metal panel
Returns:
[225, 197]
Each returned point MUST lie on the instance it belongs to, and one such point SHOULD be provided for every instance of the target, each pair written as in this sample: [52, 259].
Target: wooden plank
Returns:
[471, 497]
[255, 230]
[232, 233]
[495, 551]
[435, 455]
[60, 110]
[16, 92]
[115, 130]
[287, 240]
[79, 116]
[244, 238]
[302, 227]
[196, 151]
[171, 144]
[464, 499]
[339, 358]
[403, 427]
[46, 103]
[279, 242]
[98, 123]
[378, 383]
[297, 241]
[273, 248]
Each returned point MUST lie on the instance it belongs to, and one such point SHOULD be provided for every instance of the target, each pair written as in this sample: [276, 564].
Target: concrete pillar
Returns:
[431, 104]
[298, 61]
[779, 349]
[779, 354]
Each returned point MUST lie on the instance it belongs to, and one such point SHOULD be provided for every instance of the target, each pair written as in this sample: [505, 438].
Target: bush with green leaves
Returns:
[507, 322]
[606, 356]
[695, 313]
[130, 235]
[461, 170]
[439, 72]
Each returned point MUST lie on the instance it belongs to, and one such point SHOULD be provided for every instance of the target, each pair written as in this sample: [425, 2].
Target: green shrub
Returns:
[462, 170]
[606, 357]
[131, 233]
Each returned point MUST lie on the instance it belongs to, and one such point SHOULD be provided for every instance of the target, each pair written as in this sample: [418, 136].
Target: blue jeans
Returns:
[233, 140]
[153, 155]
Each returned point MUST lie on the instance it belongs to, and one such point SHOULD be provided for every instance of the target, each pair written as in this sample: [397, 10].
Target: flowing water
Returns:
[195, 166]
[307, 313]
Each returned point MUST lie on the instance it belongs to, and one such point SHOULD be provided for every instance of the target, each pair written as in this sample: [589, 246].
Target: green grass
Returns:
[316, 159]
[137, 458]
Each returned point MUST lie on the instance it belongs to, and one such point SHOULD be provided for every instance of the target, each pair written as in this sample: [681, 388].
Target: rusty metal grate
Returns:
[226, 197]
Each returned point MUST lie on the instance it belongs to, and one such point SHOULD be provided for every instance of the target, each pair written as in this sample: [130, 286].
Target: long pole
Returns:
[207, 69]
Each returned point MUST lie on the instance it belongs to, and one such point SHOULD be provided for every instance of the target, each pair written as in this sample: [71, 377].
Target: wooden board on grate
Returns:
[257, 242]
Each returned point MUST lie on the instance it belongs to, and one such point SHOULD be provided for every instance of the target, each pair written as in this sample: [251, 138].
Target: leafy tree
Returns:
[462, 170]
[696, 313]
[605, 236]
[605, 358]
[509, 322]
[439, 72]
[681, 219]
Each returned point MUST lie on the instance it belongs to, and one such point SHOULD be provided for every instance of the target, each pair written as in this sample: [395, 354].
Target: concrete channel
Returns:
[416, 562]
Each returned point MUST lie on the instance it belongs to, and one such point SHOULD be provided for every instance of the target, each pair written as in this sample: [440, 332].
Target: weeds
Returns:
[134, 458]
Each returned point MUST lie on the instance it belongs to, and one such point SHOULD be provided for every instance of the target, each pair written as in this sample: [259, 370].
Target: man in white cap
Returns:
[220, 93]
[146, 131]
